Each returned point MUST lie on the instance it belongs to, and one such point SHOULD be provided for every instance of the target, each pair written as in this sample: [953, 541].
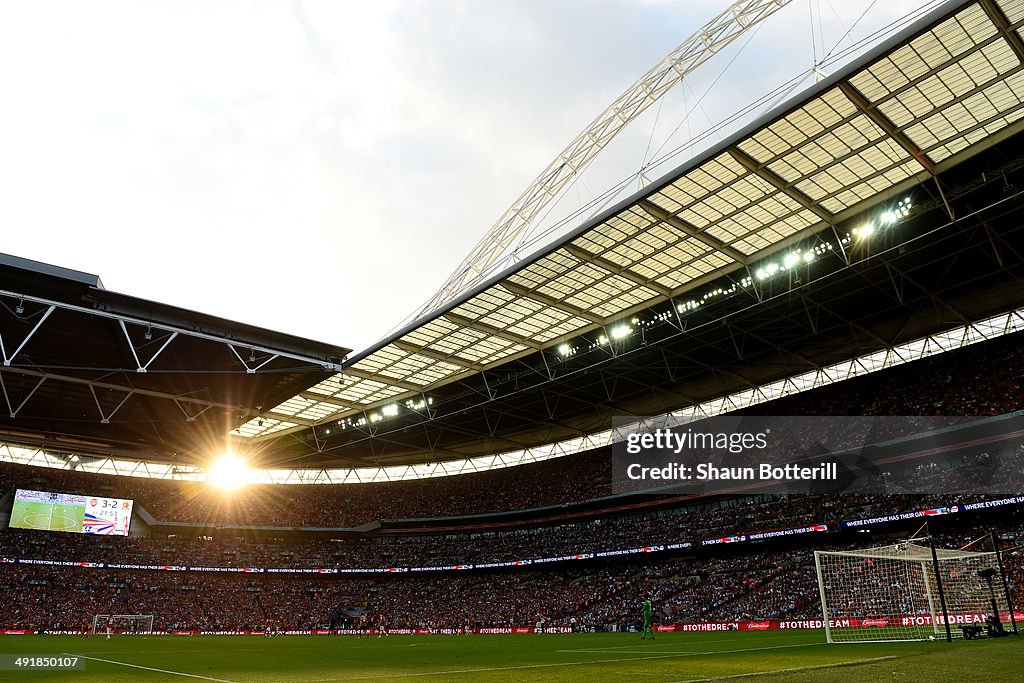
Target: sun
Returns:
[228, 472]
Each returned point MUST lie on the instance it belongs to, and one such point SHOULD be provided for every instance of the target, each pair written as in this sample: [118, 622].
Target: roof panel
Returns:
[356, 391]
[433, 331]
[457, 343]
[991, 127]
[625, 299]
[495, 349]
[838, 179]
[546, 318]
[382, 394]
[936, 134]
[434, 372]
[930, 51]
[484, 303]
[672, 198]
[811, 121]
[327, 387]
[1013, 9]
[253, 428]
[381, 360]
[953, 82]
[319, 411]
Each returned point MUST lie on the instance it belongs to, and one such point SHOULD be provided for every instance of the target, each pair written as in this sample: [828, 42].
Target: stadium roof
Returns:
[87, 369]
[928, 99]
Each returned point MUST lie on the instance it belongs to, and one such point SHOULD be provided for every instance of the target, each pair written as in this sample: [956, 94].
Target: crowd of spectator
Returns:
[312, 550]
[753, 586]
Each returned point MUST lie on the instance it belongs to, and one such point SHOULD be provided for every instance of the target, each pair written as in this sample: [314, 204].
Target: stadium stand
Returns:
[760, 584]
[756, 585]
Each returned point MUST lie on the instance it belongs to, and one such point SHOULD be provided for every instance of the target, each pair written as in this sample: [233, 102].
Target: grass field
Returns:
[797, 656]
[36, 515]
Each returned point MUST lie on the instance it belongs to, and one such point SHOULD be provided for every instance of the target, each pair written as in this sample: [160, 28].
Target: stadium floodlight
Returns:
[901, 211]
[564, 350]
[228, 472]
[808, 256]
[620, 331]
[865, 231]
[390, 410]
[791, 260]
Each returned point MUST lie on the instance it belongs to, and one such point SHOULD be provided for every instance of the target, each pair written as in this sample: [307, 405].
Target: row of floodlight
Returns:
[792, 260]
[620, 331]
[415, 405]
[623, 330]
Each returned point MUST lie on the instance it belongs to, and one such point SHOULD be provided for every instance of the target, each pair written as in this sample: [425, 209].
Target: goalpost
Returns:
[122, 623]
[910, 591]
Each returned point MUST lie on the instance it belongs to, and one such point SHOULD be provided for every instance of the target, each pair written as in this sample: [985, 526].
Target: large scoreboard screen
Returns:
[70, 512]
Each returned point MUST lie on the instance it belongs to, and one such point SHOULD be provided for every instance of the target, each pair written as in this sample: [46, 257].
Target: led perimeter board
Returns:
[71, 512]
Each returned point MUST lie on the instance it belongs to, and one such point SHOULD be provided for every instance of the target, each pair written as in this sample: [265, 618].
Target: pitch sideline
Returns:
[150, 668]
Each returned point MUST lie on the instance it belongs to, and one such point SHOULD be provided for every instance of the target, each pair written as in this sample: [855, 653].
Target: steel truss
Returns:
[253, 358]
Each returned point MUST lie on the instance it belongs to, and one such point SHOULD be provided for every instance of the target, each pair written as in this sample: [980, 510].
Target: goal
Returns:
[123, 623]
[910, 591]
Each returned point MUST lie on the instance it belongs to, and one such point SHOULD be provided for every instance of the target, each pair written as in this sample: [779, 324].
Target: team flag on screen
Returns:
[92, 524]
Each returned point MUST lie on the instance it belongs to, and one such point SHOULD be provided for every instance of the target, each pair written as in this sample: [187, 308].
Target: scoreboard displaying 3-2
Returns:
[71, 512]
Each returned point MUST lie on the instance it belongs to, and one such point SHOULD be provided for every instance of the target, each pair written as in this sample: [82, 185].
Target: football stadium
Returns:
[758, 418]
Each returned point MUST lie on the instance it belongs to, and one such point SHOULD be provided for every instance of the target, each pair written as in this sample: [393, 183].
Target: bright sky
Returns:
[319, 168]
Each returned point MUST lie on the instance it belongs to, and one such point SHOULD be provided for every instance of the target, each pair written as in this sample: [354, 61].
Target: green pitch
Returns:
[36, 515]
[790, 656]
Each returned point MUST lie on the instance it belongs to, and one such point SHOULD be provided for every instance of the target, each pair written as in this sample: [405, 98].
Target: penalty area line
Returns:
[790, 670]
[150, 668]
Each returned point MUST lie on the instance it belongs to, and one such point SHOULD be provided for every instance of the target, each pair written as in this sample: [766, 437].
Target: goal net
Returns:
[123, 623]
[902, 592]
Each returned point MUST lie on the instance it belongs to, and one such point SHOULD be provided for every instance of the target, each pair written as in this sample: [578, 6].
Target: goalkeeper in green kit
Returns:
[648, 621]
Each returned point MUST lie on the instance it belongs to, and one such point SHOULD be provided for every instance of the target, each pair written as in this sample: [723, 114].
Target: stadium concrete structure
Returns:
[870, 222]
